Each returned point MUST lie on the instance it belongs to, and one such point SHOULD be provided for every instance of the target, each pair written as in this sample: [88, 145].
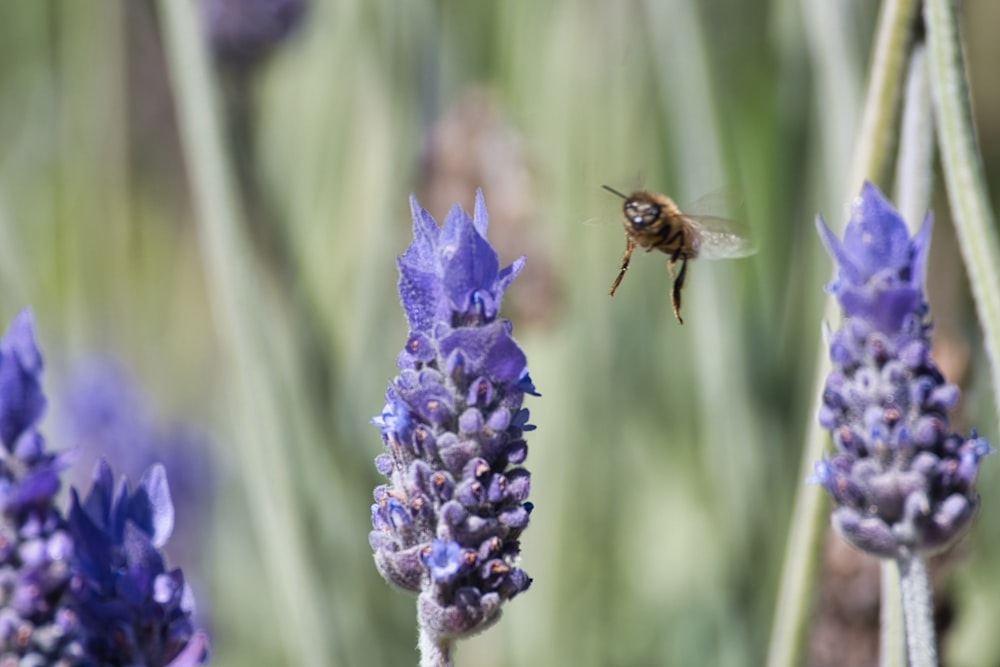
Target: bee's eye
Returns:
[641, 213]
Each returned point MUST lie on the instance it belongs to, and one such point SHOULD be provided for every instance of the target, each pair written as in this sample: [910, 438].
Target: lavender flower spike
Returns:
[901, 480]
[37, 626]
[447, 525]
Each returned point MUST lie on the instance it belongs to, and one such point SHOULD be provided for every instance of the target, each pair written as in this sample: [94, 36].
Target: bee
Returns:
[654, 222]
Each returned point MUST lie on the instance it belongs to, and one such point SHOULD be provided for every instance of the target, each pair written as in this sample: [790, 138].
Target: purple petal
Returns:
[422, 297]
[151, 507]
[22, 402]
[98, 501]
[480, 220]
[37, 488]
[876, 237]
[144, 563]
[468, 261]
[444, 560]
[841, 258]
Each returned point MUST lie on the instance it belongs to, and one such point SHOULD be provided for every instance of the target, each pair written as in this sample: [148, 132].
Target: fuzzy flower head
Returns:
[447, 524]
[902, 482]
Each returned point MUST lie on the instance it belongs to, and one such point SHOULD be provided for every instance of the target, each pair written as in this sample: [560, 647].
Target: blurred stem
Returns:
[13, 288]
[892, 651]
[914, 167]
[893, 39]
[269, 239]
[833, 50]
[795, 593]
[262, 220]
[963, 174]
[434, 653]
[256, 395]
[795, 596]
[917, 609]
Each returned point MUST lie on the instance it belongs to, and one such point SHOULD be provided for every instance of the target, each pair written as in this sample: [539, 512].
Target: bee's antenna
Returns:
[614, 192]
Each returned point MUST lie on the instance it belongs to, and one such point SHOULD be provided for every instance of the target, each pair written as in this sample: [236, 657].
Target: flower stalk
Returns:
[434, 652]
[892, 631]
[915, 592]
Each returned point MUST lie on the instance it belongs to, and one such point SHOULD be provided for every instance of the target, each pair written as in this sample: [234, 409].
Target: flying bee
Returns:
[654, 222]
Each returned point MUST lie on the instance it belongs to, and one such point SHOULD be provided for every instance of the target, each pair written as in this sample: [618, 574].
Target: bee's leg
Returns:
[625, 260]
[674, 257]
[675, 294]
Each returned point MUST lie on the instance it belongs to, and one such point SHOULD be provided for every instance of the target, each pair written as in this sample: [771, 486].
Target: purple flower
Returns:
[90, 591]
[36, 551]
[133, 610]
[901, 480]
[447, 525]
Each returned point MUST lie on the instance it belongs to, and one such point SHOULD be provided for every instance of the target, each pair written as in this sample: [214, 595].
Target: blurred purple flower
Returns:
[103, 414]
[36, 625]
[901, 480]
[244, 32]
[447, 525]
[132, 609]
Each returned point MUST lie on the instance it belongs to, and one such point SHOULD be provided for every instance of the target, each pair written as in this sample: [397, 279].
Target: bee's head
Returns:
[639, 208]
[640, 211]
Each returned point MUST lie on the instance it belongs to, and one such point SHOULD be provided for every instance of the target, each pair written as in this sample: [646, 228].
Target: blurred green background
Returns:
[666, 457]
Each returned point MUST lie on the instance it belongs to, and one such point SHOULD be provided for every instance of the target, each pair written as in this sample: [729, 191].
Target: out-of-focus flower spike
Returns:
[901, 480]
[132, 610]
[37, 626]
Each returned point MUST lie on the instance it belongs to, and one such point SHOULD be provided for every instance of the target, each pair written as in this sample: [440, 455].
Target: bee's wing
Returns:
[724, 202]
[720, 238]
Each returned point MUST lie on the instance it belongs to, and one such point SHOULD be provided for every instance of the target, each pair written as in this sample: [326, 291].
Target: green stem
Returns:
[255, 392]
[963, 173]
[872, 157]
[915, 593]
[914, 167]
[894, 38]
[795, 595]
